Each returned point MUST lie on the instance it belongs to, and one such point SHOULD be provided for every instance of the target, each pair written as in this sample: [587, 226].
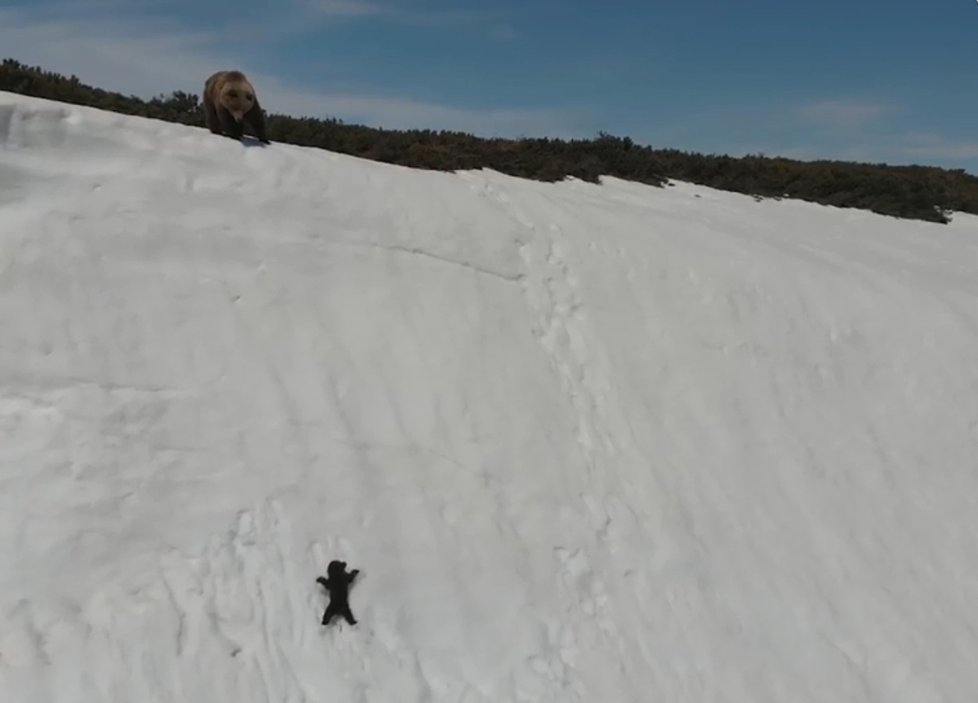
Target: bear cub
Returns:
[338, 585]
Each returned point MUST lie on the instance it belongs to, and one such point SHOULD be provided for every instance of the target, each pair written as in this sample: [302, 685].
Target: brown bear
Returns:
[230, 104]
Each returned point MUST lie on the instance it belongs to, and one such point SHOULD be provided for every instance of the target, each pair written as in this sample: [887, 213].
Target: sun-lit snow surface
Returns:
[585, 443]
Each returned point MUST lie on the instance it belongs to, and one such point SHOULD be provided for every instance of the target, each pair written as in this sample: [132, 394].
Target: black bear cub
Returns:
[338, 585]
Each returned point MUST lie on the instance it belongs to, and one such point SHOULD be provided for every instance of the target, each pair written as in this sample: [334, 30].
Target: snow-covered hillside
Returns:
[585, 443]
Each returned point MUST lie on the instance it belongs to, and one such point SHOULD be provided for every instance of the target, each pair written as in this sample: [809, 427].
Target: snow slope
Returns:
[585, 443]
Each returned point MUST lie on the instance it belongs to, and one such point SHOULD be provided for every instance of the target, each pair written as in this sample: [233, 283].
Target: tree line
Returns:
[915, 192]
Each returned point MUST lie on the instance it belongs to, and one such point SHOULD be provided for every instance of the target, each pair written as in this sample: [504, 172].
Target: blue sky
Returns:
[858, 79]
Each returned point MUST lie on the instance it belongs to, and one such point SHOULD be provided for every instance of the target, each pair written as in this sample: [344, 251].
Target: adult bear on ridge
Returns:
[230, 104]
[338, 585]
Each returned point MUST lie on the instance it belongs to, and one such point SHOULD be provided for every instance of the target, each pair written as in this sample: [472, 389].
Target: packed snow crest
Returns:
[584, 443]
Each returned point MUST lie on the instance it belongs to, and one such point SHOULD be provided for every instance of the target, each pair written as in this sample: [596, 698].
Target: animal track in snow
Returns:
[551, 288]
[239, 595]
